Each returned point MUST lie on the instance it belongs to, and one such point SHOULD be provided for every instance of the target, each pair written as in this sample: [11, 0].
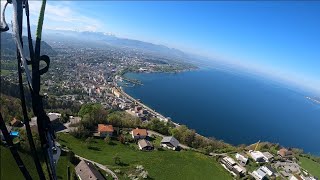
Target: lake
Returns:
[235, 107]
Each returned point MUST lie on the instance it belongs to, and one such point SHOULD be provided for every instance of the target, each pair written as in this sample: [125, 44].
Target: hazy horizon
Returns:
[276, 39]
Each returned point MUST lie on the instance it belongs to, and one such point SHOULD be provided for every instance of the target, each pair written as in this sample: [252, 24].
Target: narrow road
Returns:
[103, 167]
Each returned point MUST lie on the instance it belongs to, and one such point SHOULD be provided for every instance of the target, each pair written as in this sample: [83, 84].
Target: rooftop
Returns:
[86, 170]
[105, 128]
[139, 132]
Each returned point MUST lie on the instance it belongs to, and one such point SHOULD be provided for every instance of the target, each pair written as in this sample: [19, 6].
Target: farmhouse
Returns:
[105, 130]
[139, 133]
[285, 153]
[170, 142]
[16, 123]
[86, 171]
[145, 145]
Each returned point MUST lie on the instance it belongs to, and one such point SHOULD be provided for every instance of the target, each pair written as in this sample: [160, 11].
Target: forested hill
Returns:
[8, 46]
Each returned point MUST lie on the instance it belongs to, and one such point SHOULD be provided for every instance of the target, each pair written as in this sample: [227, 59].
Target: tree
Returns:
[115, 120]
[122, 139]
[64, 117]
[159, 126]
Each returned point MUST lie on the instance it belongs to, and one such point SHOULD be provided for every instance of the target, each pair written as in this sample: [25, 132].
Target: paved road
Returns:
[103, 167]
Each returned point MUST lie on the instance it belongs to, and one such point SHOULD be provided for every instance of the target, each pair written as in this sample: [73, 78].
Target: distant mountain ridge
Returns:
[112, 40]
[8, 46]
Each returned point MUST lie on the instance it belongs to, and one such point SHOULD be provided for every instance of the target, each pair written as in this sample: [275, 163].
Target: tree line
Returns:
[94, 114]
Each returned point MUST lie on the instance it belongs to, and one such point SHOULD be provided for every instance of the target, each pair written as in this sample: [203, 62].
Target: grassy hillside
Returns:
[164, 164]
[311, 166]
[10, 170]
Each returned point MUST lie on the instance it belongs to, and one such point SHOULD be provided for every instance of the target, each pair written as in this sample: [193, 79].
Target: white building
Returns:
[243, 159]
[258, 156]
[259, 174]
[268, 170]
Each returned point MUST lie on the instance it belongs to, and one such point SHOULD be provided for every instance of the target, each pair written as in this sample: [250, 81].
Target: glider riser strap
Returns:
[13, 150]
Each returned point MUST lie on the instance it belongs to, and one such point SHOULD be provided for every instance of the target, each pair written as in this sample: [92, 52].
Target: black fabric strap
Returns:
[13, 150]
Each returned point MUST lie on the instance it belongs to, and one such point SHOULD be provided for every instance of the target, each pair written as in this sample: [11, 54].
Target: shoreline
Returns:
[153, 112]
[163, 118]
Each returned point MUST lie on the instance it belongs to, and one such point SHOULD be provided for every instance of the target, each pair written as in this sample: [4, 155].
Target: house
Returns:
[105, 130]
[268, 156]
[145, 145]
[295, 177]
[137, 109]
[242, 158]
[284, 153]
[259, 174]
[170, 142]
[139, 133]
[257, 156]
[116, 92]
[230, 164]
[86, 171]
[54, 119]
[269, 170]
[16, 123]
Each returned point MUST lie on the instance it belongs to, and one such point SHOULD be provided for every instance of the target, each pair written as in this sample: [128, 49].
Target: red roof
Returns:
[139, 132]
[105, 128]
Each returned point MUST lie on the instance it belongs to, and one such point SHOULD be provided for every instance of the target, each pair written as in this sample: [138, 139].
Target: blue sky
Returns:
[279, 39]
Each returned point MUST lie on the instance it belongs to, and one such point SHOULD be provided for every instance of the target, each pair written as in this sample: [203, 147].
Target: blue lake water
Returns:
[236, 108]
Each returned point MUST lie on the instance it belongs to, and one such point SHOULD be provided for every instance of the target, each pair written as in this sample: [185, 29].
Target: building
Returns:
[116, 92]
[105, 130]
[242, 158]
[16, 123]
[139, 133]
[268, 156]
[269, 170]
[285, 153]
[170, 142]
[295, 177]
[54, 118]
[145, 145]
[86, 171]
[257, 156]
[231, 165]
[259, 174]
[74, 120]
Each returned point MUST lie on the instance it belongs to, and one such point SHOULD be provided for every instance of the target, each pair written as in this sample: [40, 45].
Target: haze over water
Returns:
[233, 107]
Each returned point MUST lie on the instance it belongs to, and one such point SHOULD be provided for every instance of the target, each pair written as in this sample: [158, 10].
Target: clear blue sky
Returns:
[281, 39]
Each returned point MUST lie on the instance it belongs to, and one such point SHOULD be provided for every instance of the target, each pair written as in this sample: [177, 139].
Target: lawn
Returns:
[10, 170]
[5, 72]
[311, 166]
[165, 164]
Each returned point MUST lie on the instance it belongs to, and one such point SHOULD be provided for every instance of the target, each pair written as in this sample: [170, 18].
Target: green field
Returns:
[10, 170]
[165, 164]
[311, 166]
